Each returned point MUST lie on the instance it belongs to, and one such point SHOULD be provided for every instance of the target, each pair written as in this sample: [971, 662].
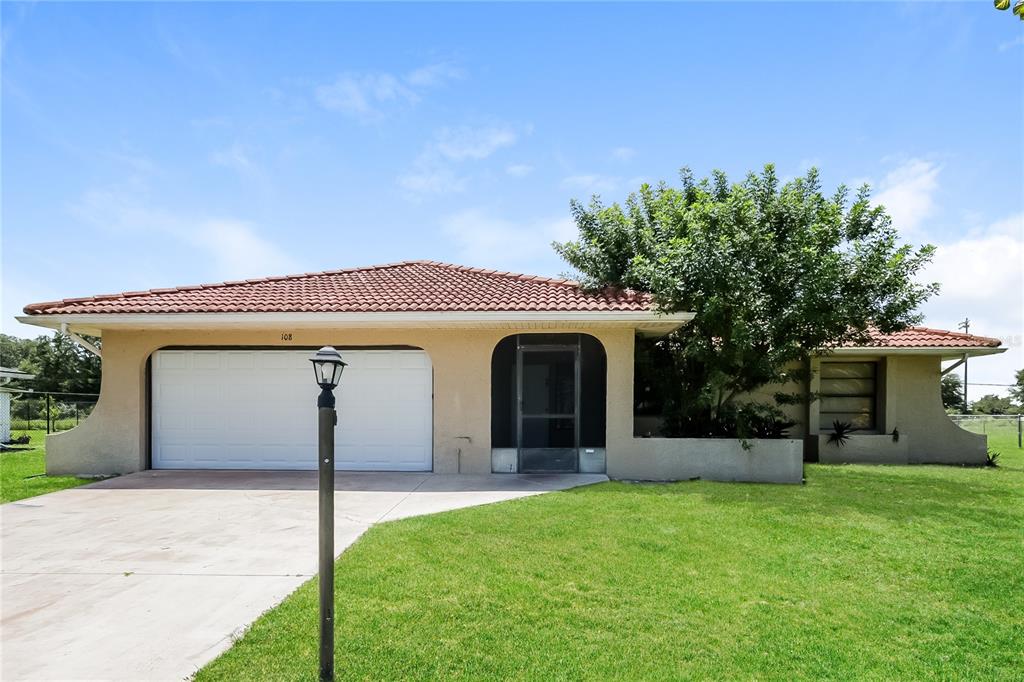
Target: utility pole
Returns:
[966, 326]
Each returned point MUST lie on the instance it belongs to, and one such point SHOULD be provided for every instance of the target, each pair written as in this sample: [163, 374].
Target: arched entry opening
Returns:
[548, 397]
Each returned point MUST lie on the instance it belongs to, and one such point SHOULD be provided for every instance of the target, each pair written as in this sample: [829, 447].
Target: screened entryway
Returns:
[548, 404]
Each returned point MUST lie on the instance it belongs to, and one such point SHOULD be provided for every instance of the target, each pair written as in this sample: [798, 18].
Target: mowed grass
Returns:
[863, 573]
[23, 473]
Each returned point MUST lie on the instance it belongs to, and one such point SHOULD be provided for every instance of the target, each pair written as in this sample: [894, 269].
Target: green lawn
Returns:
[863, 573]
[22, 474]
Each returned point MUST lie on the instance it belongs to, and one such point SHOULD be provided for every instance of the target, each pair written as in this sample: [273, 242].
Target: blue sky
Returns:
[153, 145]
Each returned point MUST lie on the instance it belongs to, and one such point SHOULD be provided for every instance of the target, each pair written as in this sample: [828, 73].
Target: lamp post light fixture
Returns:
[327, 366]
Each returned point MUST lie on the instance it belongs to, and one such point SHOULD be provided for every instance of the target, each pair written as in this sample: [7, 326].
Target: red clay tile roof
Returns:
[426, 286]
[923, 337]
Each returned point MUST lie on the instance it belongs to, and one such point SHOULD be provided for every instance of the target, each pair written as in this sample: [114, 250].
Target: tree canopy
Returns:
[58, 363]
[993, 404]
[953, 392]
[1017, 390]
[773, 272]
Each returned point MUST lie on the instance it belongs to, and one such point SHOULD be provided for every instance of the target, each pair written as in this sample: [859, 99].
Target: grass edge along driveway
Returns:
[864, 572]
[23, 472]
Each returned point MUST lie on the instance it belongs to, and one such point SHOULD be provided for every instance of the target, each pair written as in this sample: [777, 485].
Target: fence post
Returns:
[47, 413]
[76, 414]
[1020, 423]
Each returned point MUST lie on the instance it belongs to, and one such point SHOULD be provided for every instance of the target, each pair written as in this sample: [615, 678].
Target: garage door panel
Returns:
[170, 360]
[380, 458]
[202, 359]
[239, 409]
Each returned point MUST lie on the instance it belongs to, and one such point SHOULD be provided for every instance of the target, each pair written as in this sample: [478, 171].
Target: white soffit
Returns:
[94, 324]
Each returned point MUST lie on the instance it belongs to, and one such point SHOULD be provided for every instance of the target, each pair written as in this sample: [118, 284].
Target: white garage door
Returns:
[256, 409]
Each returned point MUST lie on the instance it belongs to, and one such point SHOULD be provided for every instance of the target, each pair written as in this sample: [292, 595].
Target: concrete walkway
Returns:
[148, 576]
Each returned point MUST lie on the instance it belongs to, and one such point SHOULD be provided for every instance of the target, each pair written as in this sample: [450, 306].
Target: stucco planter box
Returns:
[864, 449]
[714, 459]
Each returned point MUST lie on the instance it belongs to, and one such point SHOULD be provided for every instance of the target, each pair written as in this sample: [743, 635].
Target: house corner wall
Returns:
[914, 406]
[910, 402]
[111, 439]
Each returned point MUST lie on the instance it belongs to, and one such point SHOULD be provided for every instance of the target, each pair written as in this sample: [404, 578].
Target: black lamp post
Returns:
[327, 366]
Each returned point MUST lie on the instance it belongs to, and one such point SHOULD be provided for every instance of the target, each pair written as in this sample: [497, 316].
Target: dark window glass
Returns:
[503, 394]
[554, 393]
[848, 393]
[593, 392]
[545, 432]
[549, 382]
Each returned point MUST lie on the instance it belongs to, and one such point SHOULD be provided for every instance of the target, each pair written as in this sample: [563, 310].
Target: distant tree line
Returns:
[953, 398]
[58, 363]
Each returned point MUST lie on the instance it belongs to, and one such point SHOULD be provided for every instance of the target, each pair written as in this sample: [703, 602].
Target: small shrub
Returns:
[734, 420]
[992, 459]
[840, 433]
[23, 439]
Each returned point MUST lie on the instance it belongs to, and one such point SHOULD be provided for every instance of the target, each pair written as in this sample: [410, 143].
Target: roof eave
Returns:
[947, 352]
[645, 321]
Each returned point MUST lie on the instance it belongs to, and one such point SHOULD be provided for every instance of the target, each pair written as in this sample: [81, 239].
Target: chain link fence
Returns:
[1005, 427]
[50, 411]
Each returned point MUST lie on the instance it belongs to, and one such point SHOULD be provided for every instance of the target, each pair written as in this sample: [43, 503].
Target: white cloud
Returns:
[908, 191]
[367, 95]
[434, 75]
[485, 240]
[623, 153]
[234, 249]
[238, 250]
[1010, 44]
[435, 169]
[362, 95]
[235, 157]
[519, 170]
[135, 162]
[982, 279]
[593, 183]
[465, 142]
[429, 176]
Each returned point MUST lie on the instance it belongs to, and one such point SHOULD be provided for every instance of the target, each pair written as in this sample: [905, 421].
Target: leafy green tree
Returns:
[772, 271]
[953, 392]
[15, 351]
[58, 363]
[993, 404]
[1017, 390]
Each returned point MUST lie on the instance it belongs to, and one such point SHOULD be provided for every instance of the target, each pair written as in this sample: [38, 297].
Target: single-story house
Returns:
[452, 369]
[7, 375]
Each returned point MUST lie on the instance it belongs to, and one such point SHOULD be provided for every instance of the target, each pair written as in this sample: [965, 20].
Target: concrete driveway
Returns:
[148, 576]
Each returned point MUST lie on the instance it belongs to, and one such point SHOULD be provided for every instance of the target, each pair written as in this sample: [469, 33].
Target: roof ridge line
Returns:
[508, 274]
[212, 285]
[950, 332]
[499, 275]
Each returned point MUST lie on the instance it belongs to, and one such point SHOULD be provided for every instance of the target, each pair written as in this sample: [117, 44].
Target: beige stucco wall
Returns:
[113, 440]
[714, 459]
[910, 401]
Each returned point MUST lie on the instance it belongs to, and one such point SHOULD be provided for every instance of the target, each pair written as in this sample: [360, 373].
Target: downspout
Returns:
[79, 340]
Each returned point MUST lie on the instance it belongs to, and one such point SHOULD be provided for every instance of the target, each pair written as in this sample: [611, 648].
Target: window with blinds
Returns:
[848, 393]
